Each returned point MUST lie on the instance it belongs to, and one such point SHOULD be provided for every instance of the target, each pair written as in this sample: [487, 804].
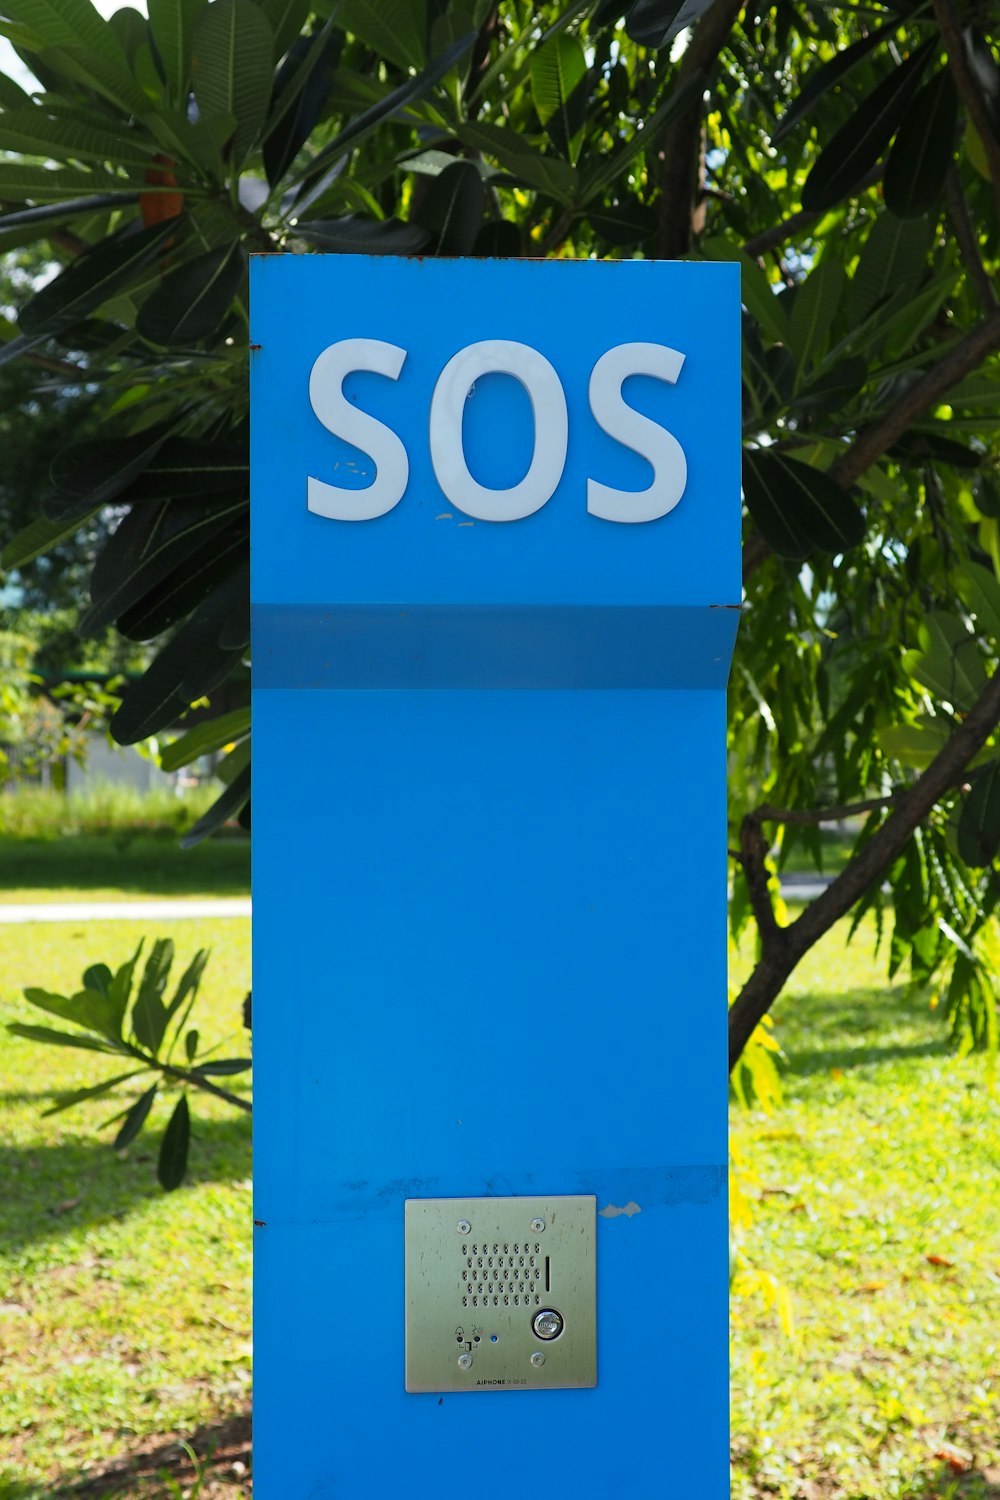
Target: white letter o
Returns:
[548, 403]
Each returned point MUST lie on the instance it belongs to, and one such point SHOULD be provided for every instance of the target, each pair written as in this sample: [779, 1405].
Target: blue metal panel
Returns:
[427, 551]
[489, 912]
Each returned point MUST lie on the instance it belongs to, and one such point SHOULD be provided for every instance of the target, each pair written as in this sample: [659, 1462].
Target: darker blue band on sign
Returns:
[491, 646]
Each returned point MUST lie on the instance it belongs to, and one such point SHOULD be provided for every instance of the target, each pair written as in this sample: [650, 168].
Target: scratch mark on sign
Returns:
[446, 515]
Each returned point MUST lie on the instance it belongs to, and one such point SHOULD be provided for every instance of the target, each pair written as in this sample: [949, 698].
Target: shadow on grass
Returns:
[147, 1472]
[144, 864]
[50, 1190]
[857, 1028]
[944, 1484]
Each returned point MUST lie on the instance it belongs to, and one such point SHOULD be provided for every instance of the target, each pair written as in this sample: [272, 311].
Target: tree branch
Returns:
[968, 87]
[769, 239]
[867, 866]
[872, 442]
[965, 238]
[809, 815]
[681, 151]
[753, 857]
[960, 360]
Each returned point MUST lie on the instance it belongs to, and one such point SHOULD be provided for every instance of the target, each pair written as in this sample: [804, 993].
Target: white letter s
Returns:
[345, 420]
[637, 432]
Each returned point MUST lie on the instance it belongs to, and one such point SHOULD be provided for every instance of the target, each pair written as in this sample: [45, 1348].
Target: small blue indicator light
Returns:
[493, 1338]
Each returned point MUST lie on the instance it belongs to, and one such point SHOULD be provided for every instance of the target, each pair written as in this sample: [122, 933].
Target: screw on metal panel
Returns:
[465, 1361]
[538, 1359]
[463, 1226]
[538, 1225]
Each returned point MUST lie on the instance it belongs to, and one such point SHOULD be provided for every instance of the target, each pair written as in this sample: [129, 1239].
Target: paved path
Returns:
[121, 911]
[796, 888]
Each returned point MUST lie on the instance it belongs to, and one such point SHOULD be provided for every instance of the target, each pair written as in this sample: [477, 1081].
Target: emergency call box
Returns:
[495, 589]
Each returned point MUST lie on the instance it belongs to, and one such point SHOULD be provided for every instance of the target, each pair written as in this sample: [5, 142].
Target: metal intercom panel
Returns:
[501, 1293]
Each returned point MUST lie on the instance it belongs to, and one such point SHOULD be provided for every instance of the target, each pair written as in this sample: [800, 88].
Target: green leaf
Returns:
[189, 666]
[923, 150]
[186, 467]
[225, 1067]
[120, 988]
[798, 508]
[288, 128]
[12, 96]
[286, 19]
[191, 585]
[948, 660]
[823, 78]
[835, 387]
[813, 311]
[921, 446]
[979, 821]
[858, 144]
[189, 982]
[59, 1038]
[91, 280]
[131, 28]
[95, 1091]
[231, 68]
[452, 209]
[149, 1014]
[191, 303]
[393, 103]
[147, 546]
[67, 23]
[899, 328]
[87, 475]
[546, 173]
[599, 179]
[227, 806]
[38, 537]
[173, 23]
[652, 23]
[135, 1119]
[757, 293]
[71, 208]
[234, 762]
[90, 1008]
[499, 239]
[21, 183]
[914, 745]
[980, 593]
[191, 1044]
[172, 1163]
[622, 224]
[358, 236]
[106, 75]
[557, 70]
[97, 977]
[205, 738]
[33, 132]
[393, 28]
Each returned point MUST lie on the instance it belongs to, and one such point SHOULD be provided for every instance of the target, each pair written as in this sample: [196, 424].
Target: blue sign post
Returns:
[495, 592]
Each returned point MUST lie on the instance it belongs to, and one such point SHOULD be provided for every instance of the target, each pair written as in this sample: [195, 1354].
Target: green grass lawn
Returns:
[123, 866]
[124, 1314]
[876, 1203]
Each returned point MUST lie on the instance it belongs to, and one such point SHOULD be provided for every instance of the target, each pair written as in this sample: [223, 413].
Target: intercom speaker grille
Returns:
[502, 1273]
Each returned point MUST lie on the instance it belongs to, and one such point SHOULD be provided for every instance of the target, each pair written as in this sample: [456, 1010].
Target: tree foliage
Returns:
[848, 157]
